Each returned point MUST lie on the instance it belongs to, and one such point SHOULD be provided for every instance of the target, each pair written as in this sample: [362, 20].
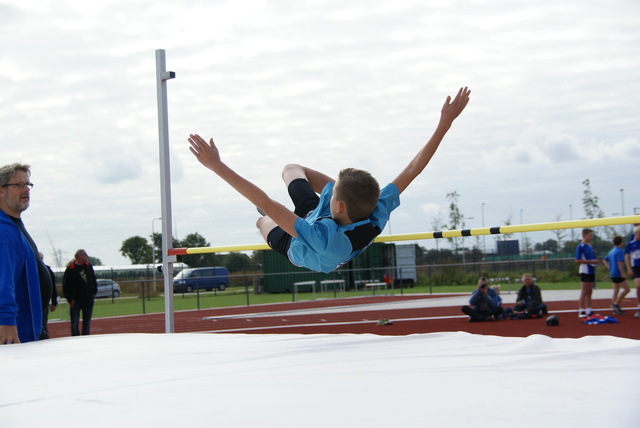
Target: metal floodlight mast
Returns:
[162, 75]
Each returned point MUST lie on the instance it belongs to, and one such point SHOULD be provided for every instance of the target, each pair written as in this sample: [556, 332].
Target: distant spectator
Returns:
[529, 299]
[80, 287]
[485, 304]
[614, 261]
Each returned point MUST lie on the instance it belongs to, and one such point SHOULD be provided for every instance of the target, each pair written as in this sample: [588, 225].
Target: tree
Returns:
[136, 249]
[456, 219]
[507, 222]
[526, 244]
[550, 245]
[156, 242]
[57, 253]
[590, 202]
[198, 260]
[570, 246]
[236, 262]
[257, 260]
[560, 233]
[437, 224]
[592, 209]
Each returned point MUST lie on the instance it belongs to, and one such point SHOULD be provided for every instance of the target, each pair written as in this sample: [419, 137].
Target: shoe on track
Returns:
[617, 310]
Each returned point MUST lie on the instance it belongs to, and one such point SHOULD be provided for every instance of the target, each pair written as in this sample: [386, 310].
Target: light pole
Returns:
[524, 235]
[464, 260]
[622, 200]
[571, 218]
[484, 248]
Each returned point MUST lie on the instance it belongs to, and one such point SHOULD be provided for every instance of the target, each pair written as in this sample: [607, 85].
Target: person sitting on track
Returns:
[485, 304]
[529, 302]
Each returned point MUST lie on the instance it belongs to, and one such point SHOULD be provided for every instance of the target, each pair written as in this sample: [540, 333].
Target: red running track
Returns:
[271, 319]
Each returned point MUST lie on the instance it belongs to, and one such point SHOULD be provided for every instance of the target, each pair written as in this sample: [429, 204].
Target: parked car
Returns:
[201, 278]
[108, 288]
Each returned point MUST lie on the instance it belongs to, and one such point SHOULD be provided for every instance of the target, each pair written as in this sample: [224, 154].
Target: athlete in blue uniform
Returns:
[614, 261]
[632, 260]
[326, 231]
[586, 258]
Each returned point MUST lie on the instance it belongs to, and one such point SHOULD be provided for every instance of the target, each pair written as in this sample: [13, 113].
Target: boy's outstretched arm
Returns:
[450, 111]
[209, 156]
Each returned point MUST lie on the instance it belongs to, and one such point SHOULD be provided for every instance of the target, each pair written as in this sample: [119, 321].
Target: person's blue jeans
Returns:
[86, 306]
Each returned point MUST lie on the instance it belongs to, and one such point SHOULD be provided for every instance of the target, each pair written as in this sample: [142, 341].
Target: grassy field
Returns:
[131, 305]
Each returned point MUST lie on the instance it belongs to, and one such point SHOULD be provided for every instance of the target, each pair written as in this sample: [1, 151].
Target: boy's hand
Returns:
[452, 109]
[206, 153]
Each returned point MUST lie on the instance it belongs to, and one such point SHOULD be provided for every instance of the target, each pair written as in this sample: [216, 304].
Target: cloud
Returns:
[325, 83]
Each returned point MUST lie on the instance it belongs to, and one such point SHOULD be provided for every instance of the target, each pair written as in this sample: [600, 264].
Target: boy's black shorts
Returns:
[305, 200]
[636, 271]
[617, 279]
[585, 277]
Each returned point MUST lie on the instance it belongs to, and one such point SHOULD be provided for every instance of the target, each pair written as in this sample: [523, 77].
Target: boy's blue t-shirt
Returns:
[633, 249]
[323, 246]
[615, 255]
[585, 252]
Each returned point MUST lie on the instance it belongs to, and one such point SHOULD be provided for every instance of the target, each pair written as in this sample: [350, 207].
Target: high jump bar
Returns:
[455, 233]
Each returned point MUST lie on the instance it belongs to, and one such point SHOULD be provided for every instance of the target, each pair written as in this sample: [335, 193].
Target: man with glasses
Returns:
[20, 296]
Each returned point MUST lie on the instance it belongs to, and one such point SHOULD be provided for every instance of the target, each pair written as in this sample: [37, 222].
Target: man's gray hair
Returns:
[7, 171]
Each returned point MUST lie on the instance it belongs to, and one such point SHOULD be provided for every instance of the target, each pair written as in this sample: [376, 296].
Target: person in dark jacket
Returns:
[529, 299]
[48, 304]
[80, 287]
[485, 303]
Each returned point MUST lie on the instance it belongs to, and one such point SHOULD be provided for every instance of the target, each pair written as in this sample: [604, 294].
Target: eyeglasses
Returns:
[19, 185]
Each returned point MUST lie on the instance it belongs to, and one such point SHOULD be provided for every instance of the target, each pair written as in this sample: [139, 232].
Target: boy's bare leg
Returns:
[586, 288]
[290, 172]
[616, 289]
[265, 225]
[316, 179]
[624, 285]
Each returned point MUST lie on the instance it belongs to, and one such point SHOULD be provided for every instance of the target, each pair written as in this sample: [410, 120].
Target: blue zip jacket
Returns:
[20, 303]
[491, 299]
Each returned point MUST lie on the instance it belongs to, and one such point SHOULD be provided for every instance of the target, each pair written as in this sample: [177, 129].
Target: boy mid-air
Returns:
[325, 231]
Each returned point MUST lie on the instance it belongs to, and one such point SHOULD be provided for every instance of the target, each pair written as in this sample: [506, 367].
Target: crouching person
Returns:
[529, 301]
[485, 303]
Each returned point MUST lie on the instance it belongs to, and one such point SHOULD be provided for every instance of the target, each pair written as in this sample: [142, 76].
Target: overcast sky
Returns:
[329, 84]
